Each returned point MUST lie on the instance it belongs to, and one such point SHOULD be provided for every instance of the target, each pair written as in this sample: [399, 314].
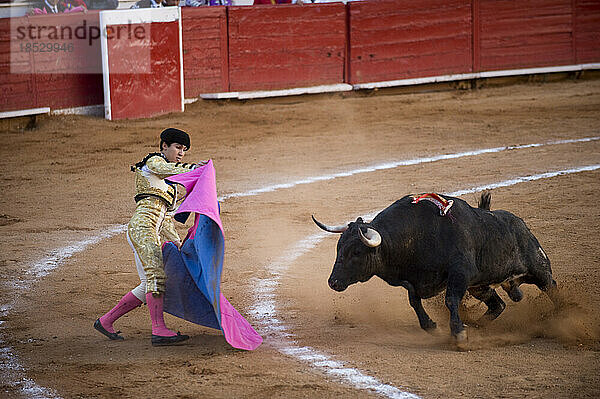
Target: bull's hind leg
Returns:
[490, 297]
[415, 301]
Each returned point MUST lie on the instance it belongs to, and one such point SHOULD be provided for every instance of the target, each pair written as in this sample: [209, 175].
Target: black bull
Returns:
[470, 249]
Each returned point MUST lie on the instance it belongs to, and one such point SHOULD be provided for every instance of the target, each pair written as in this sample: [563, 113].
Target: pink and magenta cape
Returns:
[193, 285]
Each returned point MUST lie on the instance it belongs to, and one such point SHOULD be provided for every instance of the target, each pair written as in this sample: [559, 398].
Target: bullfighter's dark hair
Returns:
[172, 135]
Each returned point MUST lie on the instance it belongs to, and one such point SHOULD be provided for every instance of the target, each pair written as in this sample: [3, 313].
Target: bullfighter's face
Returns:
[174, 152]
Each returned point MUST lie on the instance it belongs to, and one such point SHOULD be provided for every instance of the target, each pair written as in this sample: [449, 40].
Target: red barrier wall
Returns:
[66, 79]
[205, 54]
[49, 79]
[402, 39]
[587, 31]
[18, 90]
[152, 84]
[283, 46]
[524, 34]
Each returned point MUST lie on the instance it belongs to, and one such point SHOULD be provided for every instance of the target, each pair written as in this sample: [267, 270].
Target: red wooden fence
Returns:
[18, 89]
[524, 34]
[205, 54]
[586, 15]
[66, 78]
[400, 39]
[285, 46]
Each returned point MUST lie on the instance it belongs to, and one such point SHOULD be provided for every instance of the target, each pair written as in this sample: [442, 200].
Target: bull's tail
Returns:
[485, 201]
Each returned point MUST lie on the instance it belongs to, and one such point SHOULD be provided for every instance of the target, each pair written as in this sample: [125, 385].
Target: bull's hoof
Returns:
[461, 336]
[429, 326]
[461, 341]
[515, 294]
[491, 314]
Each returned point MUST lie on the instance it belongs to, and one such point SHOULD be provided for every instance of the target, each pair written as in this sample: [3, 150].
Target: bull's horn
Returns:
[371, 238]
[332, 229]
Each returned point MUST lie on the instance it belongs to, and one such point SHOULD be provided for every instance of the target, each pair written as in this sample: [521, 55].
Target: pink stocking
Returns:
[155, 306]
[126, 304]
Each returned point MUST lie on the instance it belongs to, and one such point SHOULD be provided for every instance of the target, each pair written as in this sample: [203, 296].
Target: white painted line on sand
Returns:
[524, 179]
[12, 372]
[265, 309]
[396, 164]
[45, 266]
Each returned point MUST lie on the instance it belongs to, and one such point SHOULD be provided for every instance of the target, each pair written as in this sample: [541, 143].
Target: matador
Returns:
[150, 226]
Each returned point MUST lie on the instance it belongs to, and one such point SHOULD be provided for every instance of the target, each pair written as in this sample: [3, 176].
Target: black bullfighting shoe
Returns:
[159, 340]
[113, 336]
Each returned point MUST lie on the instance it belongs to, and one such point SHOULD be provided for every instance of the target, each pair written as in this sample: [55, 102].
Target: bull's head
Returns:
[356, 253]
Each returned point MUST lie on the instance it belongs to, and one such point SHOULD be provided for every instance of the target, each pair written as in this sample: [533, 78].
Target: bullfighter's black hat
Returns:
[172, 135]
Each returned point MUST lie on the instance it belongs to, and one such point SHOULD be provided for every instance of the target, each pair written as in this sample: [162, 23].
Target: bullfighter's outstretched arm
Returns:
[161, 167]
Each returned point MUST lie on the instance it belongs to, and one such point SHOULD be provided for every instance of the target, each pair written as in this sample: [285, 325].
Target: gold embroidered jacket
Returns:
[150, 175]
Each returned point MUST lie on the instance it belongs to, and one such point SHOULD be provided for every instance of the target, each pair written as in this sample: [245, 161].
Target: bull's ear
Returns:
[359, 220]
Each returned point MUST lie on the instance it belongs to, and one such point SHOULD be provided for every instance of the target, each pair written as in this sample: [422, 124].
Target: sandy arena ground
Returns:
[68, 180]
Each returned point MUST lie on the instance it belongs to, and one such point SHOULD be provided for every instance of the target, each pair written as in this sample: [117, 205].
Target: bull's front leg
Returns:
[455, 290]
[415, 301]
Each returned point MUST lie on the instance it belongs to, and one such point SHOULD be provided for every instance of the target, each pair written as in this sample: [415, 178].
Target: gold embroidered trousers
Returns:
[148, 228]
